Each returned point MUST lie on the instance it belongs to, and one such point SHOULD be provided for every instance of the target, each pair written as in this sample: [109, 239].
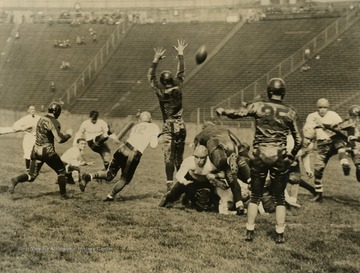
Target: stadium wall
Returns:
[123, 4]
[72, 121]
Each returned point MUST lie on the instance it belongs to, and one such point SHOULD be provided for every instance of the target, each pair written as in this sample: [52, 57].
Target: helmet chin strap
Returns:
[276, 97]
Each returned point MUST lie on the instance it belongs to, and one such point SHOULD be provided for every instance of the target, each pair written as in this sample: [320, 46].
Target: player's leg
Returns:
[340, 147]
[259, 172]
[169, 153]
[118, 161]
[322, 157]
[180, 137]
[35, 166]
[128, 164]
[54, 161]
[278, 187]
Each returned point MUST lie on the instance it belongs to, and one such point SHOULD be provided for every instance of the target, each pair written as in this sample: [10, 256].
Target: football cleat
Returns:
[318, 197]
[346, 169]
[108, 198]
[279, 238]
[82, 185]
[249, 237]
[240, 211]
[86, 177]
[12, 186]
[64, 196]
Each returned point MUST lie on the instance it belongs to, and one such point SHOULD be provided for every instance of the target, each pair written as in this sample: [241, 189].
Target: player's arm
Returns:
[296, 132]
[183, 171]
[58, 135]
[154, 140]
[180, 74]
[21, 125]
[151, 75]
[243, 111]
[79, 133]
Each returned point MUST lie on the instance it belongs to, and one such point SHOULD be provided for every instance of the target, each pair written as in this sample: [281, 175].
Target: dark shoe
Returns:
[318, 197]
[346, 169]
[164, 202]
[64, 196]
[108, 198]
[12, 186]
[86, 177]
[279, 238]
[249, 237]
[240, 211]
[82, 185]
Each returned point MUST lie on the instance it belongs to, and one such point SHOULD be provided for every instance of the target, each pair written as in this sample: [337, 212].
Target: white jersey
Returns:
[27, 123]
[142, 135]
[90, 130]
[198, 173]
[330, 118]
[73, 156]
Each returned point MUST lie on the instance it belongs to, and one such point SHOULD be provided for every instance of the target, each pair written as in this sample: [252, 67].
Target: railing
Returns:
[97, 63]
[285, 68]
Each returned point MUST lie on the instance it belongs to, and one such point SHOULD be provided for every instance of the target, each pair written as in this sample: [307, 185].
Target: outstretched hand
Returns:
[159, 53]
[181, 46]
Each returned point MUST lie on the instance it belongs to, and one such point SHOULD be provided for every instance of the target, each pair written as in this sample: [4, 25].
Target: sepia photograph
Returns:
[167, 136]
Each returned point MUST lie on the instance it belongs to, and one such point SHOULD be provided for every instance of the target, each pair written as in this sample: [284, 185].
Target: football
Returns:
[201, 54]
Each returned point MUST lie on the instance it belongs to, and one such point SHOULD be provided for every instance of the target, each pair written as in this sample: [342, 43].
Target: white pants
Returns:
[28, 144]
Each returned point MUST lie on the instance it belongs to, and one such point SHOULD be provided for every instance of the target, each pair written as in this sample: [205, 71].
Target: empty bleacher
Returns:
[33, 62]
[122, 88]
[335, 76]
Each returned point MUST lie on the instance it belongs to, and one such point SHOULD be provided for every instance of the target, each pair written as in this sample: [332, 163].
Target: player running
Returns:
[96, 132]
[47, 130]
[128, 155]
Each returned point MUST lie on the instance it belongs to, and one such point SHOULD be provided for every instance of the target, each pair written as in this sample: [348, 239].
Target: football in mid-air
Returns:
[201, 54]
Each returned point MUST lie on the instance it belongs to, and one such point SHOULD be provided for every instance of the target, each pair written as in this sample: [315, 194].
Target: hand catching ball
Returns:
[201, 55]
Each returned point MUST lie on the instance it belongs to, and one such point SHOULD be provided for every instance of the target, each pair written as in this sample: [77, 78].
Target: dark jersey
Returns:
[170, 99]
[274, 121]
[47, 129]
[220, 135]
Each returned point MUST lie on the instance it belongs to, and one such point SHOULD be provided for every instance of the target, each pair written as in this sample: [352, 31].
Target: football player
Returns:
[328, 142]
[73, 158]
[168, 89]
[201, 183]
[224, 147]
[273, 122]
[48, 128]
[128, 155]
[28, 125]
[96, 131]
[352, 127]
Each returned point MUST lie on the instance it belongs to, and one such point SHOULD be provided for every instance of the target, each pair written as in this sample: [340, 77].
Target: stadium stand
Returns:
[34, 62]
[121, 88]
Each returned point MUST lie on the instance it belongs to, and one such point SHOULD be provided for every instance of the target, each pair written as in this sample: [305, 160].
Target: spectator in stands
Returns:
[306, 66]
[65, 65]
[52, 87]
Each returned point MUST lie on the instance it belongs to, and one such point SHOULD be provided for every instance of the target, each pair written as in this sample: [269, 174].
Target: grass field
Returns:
[42, 233]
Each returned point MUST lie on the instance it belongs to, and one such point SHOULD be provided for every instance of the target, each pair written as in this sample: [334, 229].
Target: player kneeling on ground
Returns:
[73, 158]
